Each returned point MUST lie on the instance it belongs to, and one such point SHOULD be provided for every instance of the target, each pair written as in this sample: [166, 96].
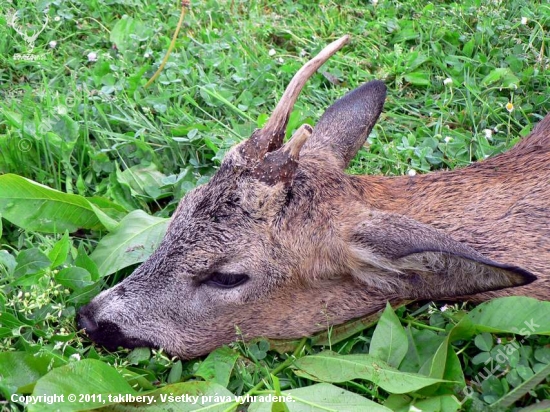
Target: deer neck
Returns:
[499, 206]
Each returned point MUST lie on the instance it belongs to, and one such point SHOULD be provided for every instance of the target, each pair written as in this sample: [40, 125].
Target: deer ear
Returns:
[345, 125]
[400, 255]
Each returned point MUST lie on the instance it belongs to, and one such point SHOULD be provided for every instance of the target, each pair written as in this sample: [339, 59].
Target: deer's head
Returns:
[281, 240]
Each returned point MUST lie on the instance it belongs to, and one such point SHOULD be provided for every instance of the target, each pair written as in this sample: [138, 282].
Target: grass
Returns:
[80, 121]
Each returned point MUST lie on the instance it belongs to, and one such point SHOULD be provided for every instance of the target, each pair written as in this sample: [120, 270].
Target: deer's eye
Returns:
[225, 280]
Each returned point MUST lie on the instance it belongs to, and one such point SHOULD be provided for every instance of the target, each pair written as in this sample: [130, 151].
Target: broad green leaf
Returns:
[108, 222]
[543, 354]
[182, 397]
[83, 261]
[112, 209]
[404, 403]
[35, 207]
[389, 340]
[128, 32]
[444, 364]
[322, 397]
[19, 369]
[143, 181]
[30, 261]
[139, 355]
[218, 365]
[278, 405]
[484, 341]
[60, 250]
[494, 76]
[134, 240]
[418, 78]
[175, 372]
[74, 278]
[502, 75]
[517, 393]
[524, 316]
[88, 376]
[435, 367]
[332, 367]
[84, 295]
[7, 261]
[423, 343]
[453, 368]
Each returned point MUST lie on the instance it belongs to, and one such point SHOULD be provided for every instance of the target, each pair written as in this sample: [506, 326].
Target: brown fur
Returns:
[320, 247]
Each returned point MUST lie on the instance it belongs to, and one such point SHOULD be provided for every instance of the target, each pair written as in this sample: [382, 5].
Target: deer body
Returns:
[500, 206]
[282, 242]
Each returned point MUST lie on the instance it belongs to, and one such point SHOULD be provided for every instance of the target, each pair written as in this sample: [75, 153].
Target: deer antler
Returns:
[271, 136]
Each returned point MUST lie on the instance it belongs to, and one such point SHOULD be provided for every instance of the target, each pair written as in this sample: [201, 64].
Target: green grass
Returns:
[90, 128]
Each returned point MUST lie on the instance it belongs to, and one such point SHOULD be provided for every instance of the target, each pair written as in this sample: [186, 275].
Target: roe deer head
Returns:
[281, 240]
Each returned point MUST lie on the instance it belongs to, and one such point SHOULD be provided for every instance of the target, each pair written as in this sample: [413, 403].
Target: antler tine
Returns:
[278, 120]
[270, 137]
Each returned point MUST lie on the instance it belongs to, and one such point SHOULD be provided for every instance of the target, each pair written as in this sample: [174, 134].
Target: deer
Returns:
[281, 240]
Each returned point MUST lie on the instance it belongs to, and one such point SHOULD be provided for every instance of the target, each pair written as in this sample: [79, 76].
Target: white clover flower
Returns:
[524, 20]
[448, 81]
[444, 308]
[411, 172]
[75, 356]
[52, 44]
[272, 52]
[488, 133]
[448, 139]
[92, 57]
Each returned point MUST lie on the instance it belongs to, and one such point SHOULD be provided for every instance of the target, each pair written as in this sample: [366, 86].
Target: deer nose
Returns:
[85, 320]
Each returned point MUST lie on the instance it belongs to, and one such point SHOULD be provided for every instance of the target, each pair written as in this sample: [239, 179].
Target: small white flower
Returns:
[374, 2]
[524, 20]
[448, 81]
[488, 134]
[509, 106]
[52, 44]
[75, 356]
[61, 110]
[499, 341]
[280, 60]
[146, 55]
[57, 18]
[443, 308]
[448, 139]
[411, 172]
[272, 52]
[92, 57]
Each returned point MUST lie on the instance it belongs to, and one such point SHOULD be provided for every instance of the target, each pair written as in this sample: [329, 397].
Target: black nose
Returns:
[86, 321]
[106, 333]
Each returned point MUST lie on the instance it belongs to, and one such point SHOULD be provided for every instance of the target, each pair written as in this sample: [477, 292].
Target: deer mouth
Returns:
[106, 333]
